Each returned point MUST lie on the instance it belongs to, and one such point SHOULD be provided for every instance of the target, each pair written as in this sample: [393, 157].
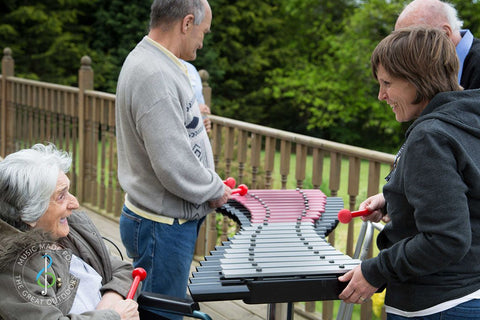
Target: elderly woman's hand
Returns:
[128, 309]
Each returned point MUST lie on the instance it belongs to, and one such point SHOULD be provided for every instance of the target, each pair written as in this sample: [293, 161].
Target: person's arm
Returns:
[121, 278]
[14, 306]
[205, 111]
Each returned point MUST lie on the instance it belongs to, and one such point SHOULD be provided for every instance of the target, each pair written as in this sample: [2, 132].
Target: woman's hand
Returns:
[127, 309]
[358, 290]
[375, 205]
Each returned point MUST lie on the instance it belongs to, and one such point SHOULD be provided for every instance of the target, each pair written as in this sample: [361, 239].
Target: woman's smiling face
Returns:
[54, 220]
[400, 95]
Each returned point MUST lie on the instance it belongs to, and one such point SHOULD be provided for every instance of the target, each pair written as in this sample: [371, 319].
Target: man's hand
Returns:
[222, 200]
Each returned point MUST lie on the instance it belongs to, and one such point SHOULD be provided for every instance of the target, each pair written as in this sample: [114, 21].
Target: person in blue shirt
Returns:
[197, 87]
[443, 15]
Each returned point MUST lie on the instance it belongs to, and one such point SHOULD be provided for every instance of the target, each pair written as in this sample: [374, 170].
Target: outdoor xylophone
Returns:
[279, 255]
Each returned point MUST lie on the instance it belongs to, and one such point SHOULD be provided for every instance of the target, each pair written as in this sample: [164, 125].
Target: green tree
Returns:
[47, 37]
[331, 87]
[118, 27]
[243, 46]
[293, 87]
[297, 65]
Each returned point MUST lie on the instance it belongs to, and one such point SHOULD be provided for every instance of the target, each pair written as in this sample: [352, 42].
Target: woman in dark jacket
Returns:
[430, 250]
[53, 262]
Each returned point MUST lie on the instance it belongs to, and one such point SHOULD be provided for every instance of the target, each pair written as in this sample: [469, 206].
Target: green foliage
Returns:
[47, 37]
[469, 12]
[244, 44]
[333, 90]
[296, 65]
[118, 27]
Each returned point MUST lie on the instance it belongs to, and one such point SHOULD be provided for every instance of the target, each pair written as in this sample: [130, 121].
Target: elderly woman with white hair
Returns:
[53, 262]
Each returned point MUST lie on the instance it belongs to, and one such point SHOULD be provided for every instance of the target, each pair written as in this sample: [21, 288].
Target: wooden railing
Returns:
[82, 121]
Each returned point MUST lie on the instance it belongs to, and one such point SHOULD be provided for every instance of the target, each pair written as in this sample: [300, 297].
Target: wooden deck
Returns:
[220, 310]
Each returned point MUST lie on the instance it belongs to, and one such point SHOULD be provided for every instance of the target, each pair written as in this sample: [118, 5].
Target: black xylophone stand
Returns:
[280, 311]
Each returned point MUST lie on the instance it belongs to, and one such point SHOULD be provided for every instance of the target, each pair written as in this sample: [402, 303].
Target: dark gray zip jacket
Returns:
[430, 251]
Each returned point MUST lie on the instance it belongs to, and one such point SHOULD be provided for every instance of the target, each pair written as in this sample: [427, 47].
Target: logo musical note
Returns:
[45, 285]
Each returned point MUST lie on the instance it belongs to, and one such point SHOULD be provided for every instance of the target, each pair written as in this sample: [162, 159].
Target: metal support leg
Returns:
[364, 238]
[280, 311]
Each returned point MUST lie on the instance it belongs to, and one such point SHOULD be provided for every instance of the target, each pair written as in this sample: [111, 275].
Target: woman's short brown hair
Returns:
[423, 56]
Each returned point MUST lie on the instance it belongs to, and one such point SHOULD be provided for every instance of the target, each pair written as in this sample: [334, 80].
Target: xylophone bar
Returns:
[328, 221]
[288, 247]
[236, 212]
[283, 205]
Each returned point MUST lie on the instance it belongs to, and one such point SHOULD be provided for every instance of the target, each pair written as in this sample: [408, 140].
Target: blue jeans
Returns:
[469, 310]
[164, 251]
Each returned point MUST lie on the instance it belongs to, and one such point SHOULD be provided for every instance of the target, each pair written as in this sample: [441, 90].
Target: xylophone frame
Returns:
[283, 291]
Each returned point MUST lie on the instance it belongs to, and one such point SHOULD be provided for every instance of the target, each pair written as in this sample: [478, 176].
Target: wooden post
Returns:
[301, 164]
[270, 146]
[317, 171]
[353, 189]
[335, 169]
[285, 155]
[209, 231]
[8, 67]
[228, 145]
[85, 82]
[242, 148]
[256, 148]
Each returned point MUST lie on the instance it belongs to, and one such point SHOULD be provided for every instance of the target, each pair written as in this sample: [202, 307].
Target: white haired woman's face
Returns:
[62, 203]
